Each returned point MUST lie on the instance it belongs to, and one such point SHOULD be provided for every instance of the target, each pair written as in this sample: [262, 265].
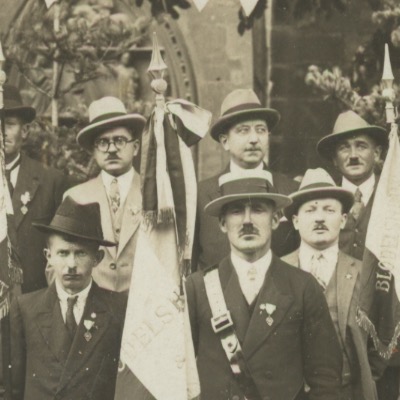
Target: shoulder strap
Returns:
[222, 325]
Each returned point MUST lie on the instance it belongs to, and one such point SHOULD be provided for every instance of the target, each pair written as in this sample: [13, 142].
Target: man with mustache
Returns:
[243, 129]
[260, 327]
[319, 212]
[112, 136]
[66, 338]
[355, 149]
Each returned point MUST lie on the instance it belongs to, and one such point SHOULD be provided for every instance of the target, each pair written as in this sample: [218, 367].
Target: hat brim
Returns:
[87, 135]
[26, 113]
[52, 229]
[214, 207]
[302, 196]
[326, 146]
[223, 123]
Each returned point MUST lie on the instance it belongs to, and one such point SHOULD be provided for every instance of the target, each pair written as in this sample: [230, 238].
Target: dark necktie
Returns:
[70, 321]
[358, 205]
[8, 176]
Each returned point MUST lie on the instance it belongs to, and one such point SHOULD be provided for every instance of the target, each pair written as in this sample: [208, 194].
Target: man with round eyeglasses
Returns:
[112, 136]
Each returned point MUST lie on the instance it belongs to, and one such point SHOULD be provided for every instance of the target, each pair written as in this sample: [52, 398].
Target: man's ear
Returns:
[47, 254]
[343, 222]
[377, 153]
[222, 224]
[136, 147]
[295, 220]
[223, 139]
[99, 256]
[276, 216]
[24, 131]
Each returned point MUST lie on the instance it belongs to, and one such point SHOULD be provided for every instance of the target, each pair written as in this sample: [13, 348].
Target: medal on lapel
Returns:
[25, 199]
[88, 324]
[269, 309]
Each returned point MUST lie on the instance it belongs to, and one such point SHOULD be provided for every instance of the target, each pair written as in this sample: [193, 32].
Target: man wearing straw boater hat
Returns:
[355, 147]
[66, 338]
[112, 136]
[36, 190]
[243, 129]
[260, 327]
[319, 212]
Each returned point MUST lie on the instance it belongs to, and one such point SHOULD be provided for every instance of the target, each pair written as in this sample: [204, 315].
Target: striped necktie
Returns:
[358, 205]
[115, 197]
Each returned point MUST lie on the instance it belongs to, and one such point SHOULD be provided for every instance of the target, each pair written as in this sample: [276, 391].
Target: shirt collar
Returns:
[123, 180]
[12, 163]
[237, 169]
[306, 252]
[241, 266]
[366, 188]
[63, 295]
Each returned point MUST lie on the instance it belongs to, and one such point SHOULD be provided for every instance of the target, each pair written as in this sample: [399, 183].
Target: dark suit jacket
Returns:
[45, 365]
[45, 187]
[348, 291]
[301, 343]
[211, 245]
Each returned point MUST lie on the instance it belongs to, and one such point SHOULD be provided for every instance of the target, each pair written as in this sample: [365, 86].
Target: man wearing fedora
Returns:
[260, 327]
[355, 147]
[66, 338]
[112, 136]
[243, 129]
[319, 212]
[36, 190]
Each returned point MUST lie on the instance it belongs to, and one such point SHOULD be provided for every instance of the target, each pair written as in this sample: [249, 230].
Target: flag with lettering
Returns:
[379, 310]
[157, 358]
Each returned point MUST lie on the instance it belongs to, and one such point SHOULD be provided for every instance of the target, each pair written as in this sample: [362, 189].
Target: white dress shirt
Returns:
[124, 183]
[330, 256]
[79, 306]
[14, 172]
[236, 169]
[251, 275]
[366, 188]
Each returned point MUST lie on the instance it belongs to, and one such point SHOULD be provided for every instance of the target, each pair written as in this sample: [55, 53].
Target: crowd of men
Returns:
[263, 327]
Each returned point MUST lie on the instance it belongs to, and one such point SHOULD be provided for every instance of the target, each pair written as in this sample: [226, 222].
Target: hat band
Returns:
[104, 117]
[246, 186]
[75, 227]
[319, 185]
[241, 107]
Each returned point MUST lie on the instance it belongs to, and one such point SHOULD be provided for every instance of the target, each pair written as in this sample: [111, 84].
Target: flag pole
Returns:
[388, 91]
[5, 322]
[54, 101]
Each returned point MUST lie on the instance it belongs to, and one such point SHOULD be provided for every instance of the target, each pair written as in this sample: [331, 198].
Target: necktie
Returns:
[115, 197]
[70, 321]
[8, 176]
[250, 289]
[319, 269]
[358, 205]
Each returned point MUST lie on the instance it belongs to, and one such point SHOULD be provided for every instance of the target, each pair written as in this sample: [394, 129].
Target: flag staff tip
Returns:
[156, 70]
[388, 91]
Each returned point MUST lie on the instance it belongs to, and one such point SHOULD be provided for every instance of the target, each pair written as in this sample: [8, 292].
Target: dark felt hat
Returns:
[318, 184]
[81, 221]
[13, 105]
[349, 124]
[241, 105]
[249, 184]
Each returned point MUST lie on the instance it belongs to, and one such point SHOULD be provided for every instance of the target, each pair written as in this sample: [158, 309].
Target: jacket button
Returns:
[113, 266]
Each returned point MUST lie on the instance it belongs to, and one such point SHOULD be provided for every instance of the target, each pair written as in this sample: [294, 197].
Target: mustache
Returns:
[253, 148]
[112, 156]
[354, 161]
[320, 226]
[248, 229]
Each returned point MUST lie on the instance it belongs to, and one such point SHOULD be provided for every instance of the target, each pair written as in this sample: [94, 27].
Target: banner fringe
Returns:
[365, 323]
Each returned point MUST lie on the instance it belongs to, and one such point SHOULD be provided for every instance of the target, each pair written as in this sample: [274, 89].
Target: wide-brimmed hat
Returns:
[249, 184]
[349, 124]
[318, 184]
[81, 221]
[239, 105]
[108, 112]
[13, 105]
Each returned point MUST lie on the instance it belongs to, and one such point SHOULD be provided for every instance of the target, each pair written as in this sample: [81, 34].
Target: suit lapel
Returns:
[346, 280]
[81, 349]
[235, 301]
[27, 181]
[100, 194]
[52, 327]
[131, 216]
[271, 293]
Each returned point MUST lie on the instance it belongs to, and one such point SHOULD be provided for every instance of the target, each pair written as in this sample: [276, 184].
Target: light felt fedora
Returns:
[350, 124]
[108, 112]
[318, 184]
[13, 105]
[249, 184]
[81, 221]
[241, 105]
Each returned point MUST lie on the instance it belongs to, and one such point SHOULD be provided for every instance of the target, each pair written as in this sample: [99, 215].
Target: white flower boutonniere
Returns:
[25, 199]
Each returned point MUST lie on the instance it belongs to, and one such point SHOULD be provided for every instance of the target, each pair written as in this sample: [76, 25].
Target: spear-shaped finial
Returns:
[2, 77]
[388, 92]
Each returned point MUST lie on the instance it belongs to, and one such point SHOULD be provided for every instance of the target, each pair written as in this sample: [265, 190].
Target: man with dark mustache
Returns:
[112, 136]
[319, 212]
[355, 149]
[243, 130]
